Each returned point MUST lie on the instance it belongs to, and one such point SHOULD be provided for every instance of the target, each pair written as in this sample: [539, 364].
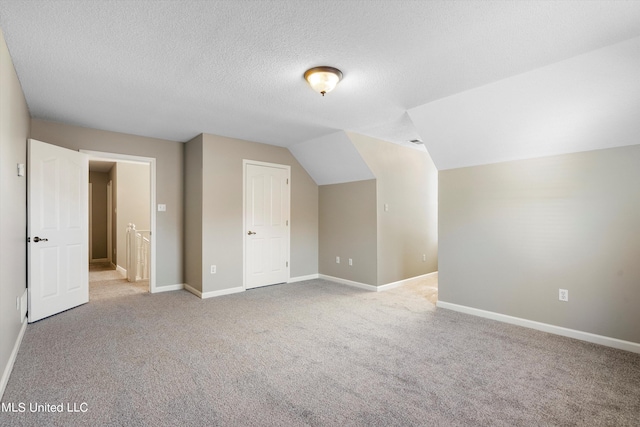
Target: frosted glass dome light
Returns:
[323, 79]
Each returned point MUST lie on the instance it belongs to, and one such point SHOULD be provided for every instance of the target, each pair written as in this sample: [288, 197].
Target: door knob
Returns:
[37, 239]
[251, 232]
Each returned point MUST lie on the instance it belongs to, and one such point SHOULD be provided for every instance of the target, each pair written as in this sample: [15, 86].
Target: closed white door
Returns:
[266, 231]
[58, 227]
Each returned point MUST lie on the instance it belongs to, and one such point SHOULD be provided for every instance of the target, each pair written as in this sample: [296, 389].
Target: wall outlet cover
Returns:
[563, 295]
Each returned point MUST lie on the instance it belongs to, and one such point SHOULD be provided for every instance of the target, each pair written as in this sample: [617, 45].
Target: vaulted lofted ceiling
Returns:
[412, 69]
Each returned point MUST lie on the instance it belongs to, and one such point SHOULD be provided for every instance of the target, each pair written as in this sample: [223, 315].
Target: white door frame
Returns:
[151, 161]
[90, 222]
[246, 162]
[109, 221]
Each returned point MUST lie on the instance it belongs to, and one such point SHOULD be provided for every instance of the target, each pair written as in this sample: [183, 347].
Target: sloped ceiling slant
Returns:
[175, 69]
[332, 159]
[588, 102]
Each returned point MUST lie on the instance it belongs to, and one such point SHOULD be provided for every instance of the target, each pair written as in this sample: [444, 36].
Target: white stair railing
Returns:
[138, 251]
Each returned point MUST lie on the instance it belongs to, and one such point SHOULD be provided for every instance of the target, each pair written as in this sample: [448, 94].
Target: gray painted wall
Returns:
[222, 204]
[193, 213]
[133, 192]
[512, 234]
[98, 182]
[348, 229]
[14, 132]
[169, 182]
[407, 181]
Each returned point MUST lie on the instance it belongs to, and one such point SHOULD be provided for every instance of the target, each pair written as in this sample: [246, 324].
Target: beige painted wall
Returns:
[348, 229]
[407, 181]
[133, 192]
[169, 182]
[193, 213]
[14, 132]
[98, 182]
[512, 234]
[222, 204]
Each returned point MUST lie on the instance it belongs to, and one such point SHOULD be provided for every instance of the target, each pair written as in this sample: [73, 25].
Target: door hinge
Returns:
[287, 223]
[287, 263]
[287, 181]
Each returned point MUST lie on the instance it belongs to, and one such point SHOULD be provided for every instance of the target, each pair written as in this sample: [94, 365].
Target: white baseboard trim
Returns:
[544, 327]
[121, 270]
[349, 282]
[12, 358]
[303, 278]
[405, 281]
[193, 291]
[167, 288]
[375, 288]
[212, 294]
[99, 260]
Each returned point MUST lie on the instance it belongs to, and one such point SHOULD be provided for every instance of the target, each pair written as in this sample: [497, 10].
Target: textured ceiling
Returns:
[174, 69]
[588, 102]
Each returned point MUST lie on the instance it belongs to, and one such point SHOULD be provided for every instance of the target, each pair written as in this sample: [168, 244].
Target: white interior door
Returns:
[58, 229]
[267, 201]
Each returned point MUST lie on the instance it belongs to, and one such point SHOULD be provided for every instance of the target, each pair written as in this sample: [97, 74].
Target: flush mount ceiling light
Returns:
[323, 79]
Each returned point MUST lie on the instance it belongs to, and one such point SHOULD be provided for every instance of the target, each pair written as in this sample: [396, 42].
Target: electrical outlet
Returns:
[337, 260]
[350, 261]
[213, 269]
[563, 295]
[424, 257]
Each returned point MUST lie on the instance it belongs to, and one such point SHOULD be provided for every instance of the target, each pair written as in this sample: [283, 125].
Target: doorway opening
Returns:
[121, 225]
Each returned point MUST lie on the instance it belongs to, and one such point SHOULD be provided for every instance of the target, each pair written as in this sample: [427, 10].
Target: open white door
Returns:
[58, 229]
[266, 212]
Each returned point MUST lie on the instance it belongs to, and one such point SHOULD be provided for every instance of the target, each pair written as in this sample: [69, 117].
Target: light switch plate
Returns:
[162, 208]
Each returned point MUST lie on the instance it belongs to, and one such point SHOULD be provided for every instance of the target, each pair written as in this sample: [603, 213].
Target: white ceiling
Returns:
[332, 159]
[587, 102]
[174, 69]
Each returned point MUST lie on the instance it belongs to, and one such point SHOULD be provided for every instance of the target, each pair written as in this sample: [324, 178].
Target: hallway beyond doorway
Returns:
[106, 283]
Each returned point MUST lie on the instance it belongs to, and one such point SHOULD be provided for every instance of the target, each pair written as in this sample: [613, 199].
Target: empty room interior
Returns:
[320, 213]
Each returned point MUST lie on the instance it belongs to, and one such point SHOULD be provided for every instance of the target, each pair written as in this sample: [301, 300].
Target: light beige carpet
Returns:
[105, 283]
[426, 287]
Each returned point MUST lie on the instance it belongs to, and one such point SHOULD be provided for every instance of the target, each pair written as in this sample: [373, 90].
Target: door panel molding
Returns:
[262, 266]
[58, 229]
